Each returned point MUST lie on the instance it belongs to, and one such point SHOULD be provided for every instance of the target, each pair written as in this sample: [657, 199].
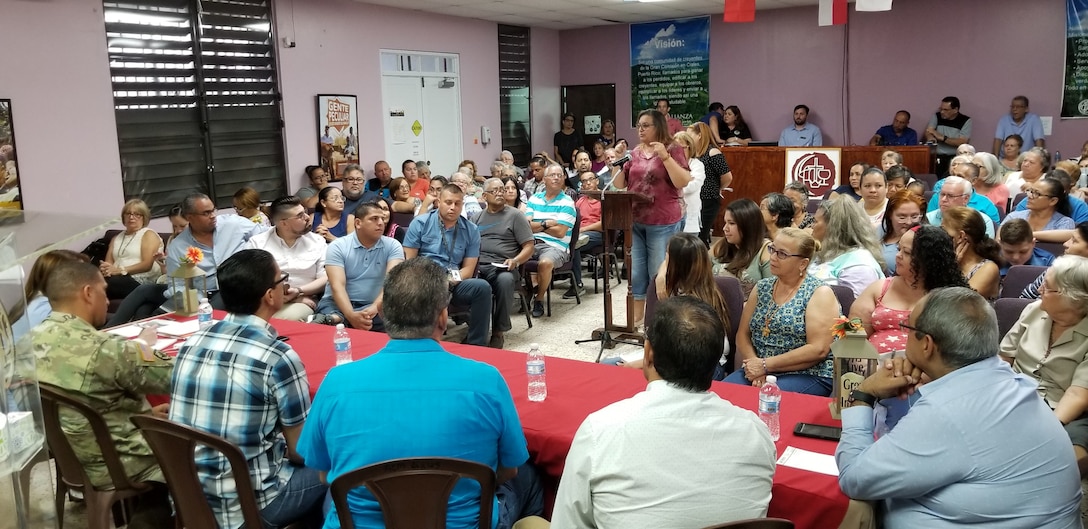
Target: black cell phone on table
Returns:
[818, 431]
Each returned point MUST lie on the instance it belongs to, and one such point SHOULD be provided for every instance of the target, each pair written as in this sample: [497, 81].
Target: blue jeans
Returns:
[475, 293]
[328, 307]
[520, 497]
[648, 245]
[596, 238]
[302, 494]
[796, 383]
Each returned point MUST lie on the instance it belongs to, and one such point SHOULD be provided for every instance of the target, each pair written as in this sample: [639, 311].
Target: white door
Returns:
[422, 117]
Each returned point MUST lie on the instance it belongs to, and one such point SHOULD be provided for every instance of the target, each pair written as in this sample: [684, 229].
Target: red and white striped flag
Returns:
[873, 5]
[740, 11]
[832, 12]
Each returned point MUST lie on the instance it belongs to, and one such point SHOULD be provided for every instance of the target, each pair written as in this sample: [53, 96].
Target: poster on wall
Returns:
[817, 168]
[10, 196]
[670, 59]
[1075, 87]
[338, 133]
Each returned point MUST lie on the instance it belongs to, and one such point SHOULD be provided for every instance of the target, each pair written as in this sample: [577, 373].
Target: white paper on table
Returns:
[163, 344]
[810, 461]
[180, 328]
[128, 331]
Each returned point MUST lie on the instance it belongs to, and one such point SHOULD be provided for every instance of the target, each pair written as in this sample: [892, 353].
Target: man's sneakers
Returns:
[583, 240]
[574, 290]
[538, 308]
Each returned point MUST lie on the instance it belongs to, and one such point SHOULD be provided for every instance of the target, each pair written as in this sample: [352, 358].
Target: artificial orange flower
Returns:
[193, 255]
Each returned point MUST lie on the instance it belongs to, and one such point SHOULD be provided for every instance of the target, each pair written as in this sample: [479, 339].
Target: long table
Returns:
[576, 389]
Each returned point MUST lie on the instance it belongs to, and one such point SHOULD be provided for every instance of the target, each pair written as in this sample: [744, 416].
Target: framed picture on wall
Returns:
[337, 133]
[10, 196]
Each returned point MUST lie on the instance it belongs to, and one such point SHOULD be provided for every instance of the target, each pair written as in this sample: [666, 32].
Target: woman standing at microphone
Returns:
[658, 169]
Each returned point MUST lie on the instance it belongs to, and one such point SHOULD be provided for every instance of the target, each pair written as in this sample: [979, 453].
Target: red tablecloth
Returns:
[576, 389]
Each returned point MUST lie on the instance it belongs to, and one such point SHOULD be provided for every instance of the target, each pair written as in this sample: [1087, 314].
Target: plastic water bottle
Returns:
[1057, 156]
[341, 342]
[534, 368]
[204, 314]
[770, 398]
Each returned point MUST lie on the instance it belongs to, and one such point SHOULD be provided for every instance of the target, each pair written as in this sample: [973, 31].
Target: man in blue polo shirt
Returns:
[802, 133]
[356, 266]
[1019, 121]
[414, 399]
[445, 237]
[1018, 246]
[898, 133]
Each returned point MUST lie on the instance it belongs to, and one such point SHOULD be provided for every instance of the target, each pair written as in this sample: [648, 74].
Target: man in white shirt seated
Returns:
[675, 455]
[299, 252]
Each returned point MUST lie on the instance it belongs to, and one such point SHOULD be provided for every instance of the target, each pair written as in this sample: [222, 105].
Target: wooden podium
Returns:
[617, 209]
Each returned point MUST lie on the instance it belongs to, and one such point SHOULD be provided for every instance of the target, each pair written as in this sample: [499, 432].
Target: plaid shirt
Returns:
[235, 380]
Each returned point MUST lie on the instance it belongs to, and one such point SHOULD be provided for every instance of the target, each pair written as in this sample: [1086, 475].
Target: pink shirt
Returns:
[999, 195]
[649, 177]
[589, 210]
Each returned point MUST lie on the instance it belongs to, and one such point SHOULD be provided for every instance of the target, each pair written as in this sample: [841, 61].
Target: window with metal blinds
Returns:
[196, 96]
[514, 92]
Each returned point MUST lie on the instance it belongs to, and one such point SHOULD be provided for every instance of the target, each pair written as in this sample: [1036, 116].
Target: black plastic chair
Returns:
[566, 270]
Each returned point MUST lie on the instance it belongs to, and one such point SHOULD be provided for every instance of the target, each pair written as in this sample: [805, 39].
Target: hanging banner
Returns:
[1075, 88]
[670, 59]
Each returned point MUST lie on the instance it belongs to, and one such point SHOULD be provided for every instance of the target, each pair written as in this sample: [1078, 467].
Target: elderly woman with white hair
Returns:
[1034, 164]
[1050, 344]
[991, 180]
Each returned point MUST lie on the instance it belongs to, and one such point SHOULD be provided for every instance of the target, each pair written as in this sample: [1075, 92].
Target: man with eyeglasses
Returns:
[356, 266]
[590, 230]
[217, 238]
[236, 380]
[1020, 121]
[978, 436]
[299, 252]
[551, 215]
[957, 191]
[977, 201]
[506, 242]
[354, 189]
[948, 129]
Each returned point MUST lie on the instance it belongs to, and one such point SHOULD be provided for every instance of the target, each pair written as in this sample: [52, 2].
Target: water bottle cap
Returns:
[534, 345]
[339, 326]
[772, 379]
[203, 300]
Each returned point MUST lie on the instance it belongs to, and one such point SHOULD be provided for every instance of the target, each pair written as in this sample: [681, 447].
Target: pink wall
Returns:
[337, 52]
[996, 49]
[544, 86]
[55, 71]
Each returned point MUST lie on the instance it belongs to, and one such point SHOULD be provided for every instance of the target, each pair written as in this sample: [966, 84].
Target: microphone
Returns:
[626, 158]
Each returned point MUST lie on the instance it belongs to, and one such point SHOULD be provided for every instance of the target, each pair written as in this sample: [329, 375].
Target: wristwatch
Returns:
[860, 396]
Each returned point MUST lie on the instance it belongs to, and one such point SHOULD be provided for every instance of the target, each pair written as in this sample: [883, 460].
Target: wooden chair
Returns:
[414, 493]
[70, 472]
[173, 446]
[755, 523]
[1018, 278]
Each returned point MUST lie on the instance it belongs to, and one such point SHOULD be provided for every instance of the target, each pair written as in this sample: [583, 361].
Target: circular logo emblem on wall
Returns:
[1082, 107]
[816, 171]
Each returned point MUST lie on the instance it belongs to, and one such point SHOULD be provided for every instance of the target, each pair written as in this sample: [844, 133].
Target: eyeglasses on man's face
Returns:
[355, 180]
[906, 326]
[283, 279]
[950, 196]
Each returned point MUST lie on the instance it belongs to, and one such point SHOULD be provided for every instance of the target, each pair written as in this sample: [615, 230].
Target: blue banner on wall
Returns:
[1075, 88]
[670, 59]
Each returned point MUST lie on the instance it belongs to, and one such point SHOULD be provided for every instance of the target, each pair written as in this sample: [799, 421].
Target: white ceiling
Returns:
[573, 14]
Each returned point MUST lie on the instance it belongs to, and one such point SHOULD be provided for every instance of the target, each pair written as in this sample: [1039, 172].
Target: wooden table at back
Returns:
[576, 389]
[761, 170]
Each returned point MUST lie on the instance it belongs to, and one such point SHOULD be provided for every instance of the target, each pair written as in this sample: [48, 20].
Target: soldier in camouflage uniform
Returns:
[106, 371]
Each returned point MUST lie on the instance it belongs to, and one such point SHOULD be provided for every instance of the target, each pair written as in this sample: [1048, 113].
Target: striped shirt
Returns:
[560, 209]
[237, 381]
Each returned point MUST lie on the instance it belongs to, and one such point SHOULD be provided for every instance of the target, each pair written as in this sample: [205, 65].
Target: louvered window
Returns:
[514, 107]
[196, 97]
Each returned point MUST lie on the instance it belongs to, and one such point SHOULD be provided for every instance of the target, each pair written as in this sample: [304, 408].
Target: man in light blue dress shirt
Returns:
[1020, 121]
[979, 448]
[802, 133]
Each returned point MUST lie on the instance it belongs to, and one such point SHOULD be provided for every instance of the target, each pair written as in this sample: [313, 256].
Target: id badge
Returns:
[455, 275]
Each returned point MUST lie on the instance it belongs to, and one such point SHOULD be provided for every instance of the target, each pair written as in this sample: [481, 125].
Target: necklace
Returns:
[124, 245]
[767, 320]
